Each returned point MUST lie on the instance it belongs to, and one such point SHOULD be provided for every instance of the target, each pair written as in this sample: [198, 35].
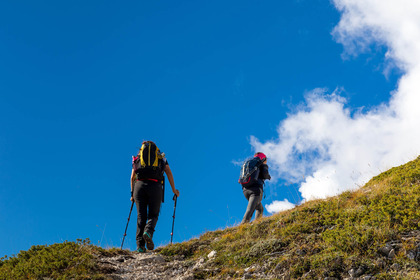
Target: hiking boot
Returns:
[149, 242]
[141, 249]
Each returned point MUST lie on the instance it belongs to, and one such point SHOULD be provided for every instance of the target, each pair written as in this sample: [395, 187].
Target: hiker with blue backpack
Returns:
[254, 172]
[147, 191]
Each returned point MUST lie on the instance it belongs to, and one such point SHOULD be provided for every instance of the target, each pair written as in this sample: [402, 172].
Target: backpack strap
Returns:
[143, 163]
[254, 169]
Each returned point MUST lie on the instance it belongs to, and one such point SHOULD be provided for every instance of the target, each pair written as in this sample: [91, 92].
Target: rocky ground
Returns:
[152, 265]
[137, 266]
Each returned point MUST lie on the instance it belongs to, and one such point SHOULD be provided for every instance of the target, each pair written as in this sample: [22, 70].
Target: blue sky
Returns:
[83, 83]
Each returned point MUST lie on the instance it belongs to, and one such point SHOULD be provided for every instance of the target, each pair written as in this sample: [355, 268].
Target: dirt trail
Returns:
[137, 266]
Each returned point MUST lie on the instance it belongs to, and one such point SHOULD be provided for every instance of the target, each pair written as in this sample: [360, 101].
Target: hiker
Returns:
[147, 181]
[253, 173]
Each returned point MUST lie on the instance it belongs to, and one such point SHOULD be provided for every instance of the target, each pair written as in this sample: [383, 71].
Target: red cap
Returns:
[261, 156]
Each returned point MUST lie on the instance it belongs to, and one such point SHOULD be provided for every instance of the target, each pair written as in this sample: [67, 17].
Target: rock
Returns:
[391, 254]
[355, 272]
[396, 267]
[179, 257]
[211, 255]
[198, 265]
[380, 263]
[385, 250]
[153, 259]
[359, 271]
[247, 276]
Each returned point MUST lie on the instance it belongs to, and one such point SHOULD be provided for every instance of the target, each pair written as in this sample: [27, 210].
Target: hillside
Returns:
[371, 233]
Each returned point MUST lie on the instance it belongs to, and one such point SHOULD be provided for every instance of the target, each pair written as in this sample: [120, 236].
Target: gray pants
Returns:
[254, 204]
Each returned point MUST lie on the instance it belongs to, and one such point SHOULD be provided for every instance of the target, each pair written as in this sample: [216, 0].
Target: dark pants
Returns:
[148, 197]
[254, 197]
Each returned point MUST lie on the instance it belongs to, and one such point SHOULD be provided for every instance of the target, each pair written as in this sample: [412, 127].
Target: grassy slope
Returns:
[68, 260]
[315, 240]
[325, 237]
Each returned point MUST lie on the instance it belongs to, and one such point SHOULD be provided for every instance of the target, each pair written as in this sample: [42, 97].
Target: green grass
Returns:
[68, 260]
[322, 238]
[326, 237]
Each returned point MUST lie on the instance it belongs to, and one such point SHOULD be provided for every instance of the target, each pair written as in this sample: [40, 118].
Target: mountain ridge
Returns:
[371, 233]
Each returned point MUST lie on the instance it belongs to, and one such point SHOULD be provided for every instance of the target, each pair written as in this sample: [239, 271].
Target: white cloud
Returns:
[393, 23]
[277, 206]
[327, 147]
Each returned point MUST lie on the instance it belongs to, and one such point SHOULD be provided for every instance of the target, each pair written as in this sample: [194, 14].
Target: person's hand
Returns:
[132, 199]
[176, 192]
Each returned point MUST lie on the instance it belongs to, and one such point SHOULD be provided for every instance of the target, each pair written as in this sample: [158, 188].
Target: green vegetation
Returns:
[327, 238]
[68, 260]
[373, 231]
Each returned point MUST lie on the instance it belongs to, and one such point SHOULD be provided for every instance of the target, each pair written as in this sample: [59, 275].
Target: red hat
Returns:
[262, 156]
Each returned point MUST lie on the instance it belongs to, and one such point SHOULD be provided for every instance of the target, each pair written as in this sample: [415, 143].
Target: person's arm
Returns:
[264, 172]
[171, 180]
[132, 179]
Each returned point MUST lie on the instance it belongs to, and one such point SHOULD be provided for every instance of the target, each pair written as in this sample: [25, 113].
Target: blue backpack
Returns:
[250, 171]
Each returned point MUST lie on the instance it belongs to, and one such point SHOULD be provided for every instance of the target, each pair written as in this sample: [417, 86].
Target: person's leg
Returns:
[252, 204]
[141, 205]
[155, 199]
[259, 209]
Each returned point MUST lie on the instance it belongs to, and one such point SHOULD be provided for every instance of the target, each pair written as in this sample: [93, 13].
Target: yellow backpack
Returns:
[148, 163]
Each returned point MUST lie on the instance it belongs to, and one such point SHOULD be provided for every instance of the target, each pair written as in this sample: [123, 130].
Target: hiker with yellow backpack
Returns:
[147, 180]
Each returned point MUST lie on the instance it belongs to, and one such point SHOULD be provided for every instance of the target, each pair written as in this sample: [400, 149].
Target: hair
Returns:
[146, 141]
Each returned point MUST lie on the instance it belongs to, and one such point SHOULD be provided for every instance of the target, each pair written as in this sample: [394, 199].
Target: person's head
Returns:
[147, 143]
[261, 156]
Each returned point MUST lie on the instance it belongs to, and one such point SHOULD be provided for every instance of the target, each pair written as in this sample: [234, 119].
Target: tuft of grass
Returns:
[68, 260]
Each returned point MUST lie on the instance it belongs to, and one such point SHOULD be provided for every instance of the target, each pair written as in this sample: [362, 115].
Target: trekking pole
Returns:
[125, 232]
[173, 221]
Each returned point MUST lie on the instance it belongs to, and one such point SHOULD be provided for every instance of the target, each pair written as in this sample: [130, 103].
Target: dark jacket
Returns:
[264, 175]
[257, 187]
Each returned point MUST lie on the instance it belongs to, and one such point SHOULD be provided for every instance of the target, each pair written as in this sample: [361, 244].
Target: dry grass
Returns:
[327, 237]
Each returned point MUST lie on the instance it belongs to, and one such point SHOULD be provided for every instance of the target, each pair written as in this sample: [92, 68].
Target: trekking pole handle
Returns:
[175, 198]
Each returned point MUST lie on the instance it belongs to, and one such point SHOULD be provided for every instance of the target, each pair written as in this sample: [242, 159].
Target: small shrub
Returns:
[68, 260]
